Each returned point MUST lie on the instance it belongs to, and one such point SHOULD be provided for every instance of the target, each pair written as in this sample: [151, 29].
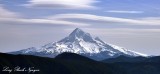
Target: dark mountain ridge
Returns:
[155, 59]
[70, 63]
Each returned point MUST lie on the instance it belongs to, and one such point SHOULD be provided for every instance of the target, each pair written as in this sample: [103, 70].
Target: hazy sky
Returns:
[133, 24]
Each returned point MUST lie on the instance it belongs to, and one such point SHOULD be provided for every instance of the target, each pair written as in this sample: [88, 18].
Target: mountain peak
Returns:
[77, 32]
[80, 34]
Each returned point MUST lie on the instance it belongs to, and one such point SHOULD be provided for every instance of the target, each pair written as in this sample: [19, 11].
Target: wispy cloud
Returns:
[59, 19]
[123, 30]
[40, 21]
[63, 4]
[151, 19]
[7, 14]
[9, 17]
[105, 19]
[123, 11]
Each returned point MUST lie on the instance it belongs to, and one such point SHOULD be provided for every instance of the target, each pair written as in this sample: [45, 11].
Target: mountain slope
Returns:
[81, 43]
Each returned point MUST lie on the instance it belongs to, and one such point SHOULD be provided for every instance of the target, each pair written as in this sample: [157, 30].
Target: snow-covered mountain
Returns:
[81, 43]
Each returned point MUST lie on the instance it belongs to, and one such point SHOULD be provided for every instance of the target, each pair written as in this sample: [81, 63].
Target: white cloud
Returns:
[59, 19]
[151, 19]
[118, 30]
[40, 21]
[7, 14]
[64, 4]
[106, 19]
[122, 11]
[9, 17]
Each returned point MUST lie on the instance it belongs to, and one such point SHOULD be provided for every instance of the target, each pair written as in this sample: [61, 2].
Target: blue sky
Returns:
[134, 24]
